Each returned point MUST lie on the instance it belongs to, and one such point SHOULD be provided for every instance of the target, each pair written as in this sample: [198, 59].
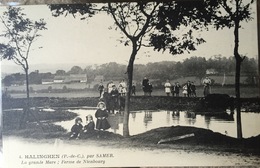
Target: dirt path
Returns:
[120, 154]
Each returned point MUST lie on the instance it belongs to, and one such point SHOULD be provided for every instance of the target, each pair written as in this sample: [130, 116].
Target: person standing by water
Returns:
[145, 86]
[206, 82]
[149, 89]
[188, 89]
[167, 87]
[110, 86]
[101, 89]
[185, 90]
[133, 89]
[101, 115]
[193, 90]
[122, 88]
[177, 88]
[114, 103]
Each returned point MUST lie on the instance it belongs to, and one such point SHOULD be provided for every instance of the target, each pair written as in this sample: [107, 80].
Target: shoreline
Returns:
[137, 103]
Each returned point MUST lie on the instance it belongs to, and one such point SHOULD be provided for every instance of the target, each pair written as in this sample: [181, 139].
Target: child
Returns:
[76, 129]
[101, 115]
[167, 86]
[185, 90]
[133, 89]
[89, 127]
[114, 99]
[193, 89]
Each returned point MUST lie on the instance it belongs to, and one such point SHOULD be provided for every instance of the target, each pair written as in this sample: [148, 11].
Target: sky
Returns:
[71, 41]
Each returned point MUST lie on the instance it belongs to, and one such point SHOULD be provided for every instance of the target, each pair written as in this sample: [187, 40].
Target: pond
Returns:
[142, 121]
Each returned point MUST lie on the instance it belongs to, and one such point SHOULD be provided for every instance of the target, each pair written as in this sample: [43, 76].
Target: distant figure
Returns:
[76, 129]
[177, 88]
[101, 88]
[110, 86]
[167, 87]
[122, 88]
[145, 84]
[106, 98]
[114, 99]
[90, 125]
[149, 89]
[185, 90]
[101, 115]
[206, 82]
[188, 89]
[193, 90]
[133, 89]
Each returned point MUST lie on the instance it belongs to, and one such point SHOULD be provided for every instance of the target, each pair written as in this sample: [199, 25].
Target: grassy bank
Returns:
[42, 129]
[137, 103]
[246, 92]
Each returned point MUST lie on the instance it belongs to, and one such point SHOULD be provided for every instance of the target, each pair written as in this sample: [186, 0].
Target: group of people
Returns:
[101, 124]
[112, 93]
[189, 89]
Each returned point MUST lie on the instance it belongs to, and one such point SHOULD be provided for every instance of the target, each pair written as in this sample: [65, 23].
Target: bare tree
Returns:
[19, 34]
[236, 11]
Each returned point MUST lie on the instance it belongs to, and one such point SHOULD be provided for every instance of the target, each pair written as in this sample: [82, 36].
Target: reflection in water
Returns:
[168, 117]
[147, 117]
[143, 121]
[176, 116]
[207, 121]
[133, 115]
[190, 117]
[114, 120]
[218, 117]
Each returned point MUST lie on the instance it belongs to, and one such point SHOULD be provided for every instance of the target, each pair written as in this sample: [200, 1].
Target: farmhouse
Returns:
[59, 79]
[76, 78]
[47, 81]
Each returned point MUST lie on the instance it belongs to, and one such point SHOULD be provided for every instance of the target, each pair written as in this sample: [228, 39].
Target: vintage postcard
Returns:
[129, 84]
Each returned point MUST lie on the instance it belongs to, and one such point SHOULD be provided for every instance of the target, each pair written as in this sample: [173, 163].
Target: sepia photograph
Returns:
[129, 84]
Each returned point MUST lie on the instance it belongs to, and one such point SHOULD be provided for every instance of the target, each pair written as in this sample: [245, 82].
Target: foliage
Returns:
[20, 33]
[75, 70]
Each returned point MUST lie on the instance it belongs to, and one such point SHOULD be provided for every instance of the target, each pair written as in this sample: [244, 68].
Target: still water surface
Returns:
[142, 121]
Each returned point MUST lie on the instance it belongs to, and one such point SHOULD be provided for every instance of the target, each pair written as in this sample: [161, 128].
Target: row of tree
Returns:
[194, 66]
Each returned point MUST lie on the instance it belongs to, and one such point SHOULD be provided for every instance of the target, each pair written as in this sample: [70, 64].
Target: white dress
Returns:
[167, 86]
[123, 85]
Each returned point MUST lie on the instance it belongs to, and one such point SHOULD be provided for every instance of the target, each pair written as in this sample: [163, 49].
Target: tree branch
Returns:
[227, 8]
[148, 18]
[117, 23]
[13, 38]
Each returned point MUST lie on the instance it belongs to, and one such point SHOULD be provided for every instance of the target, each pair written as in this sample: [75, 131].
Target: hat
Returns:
[78, 119]
[104, 104]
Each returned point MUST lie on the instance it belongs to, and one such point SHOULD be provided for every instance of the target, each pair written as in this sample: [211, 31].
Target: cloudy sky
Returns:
[70, 40]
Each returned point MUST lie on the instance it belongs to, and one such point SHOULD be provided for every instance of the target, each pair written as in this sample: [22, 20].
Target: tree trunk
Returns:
[130, 68]
[27, 104]
[237, 77]
[258, 32]
[238, 105]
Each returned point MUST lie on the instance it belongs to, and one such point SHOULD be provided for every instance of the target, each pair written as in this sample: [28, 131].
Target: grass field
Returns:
[246, 92]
